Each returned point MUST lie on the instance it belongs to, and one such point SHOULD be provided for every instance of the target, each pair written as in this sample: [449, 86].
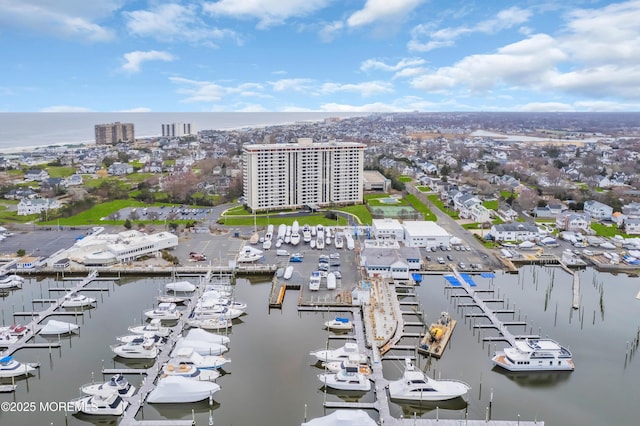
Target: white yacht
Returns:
[339, 324]
[140, 348]
[417, 386]
[107, 402]
[534, 355]
[314, 280]
[150, 335]
[348, 351]
[338, 241]
[117, 383]
[188, 371]
[9, 367]
[176, 389]
[331, 281]
[74, 300]
[164, 311]
[346, 379]
[221, 301]
[320, 240]
[351, 364]
[212, 311]
[266, 245]
[211, 323]
[155, 327]
[8, 282]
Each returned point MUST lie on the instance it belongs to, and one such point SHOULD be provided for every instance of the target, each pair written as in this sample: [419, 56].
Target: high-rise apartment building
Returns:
[282, 176]
[114, 133]
[176, 130]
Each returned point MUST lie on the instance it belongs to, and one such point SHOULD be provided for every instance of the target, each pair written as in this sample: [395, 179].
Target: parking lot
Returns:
[464, 257]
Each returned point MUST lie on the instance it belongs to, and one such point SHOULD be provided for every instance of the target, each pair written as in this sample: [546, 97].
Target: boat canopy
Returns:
[6, 359]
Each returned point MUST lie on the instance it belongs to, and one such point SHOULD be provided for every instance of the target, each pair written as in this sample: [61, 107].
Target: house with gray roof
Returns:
[514, 231]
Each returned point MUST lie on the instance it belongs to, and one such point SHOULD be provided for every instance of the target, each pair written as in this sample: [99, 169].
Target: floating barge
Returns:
[437, 338]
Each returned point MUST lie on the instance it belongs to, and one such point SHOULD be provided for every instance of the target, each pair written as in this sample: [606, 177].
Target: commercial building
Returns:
[376, 181]
[387, 229]
[302, 174]
[421, 233]
[176, 130]
[113, 133]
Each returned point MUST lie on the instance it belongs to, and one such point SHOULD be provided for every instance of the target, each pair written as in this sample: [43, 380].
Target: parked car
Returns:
[441, 260]
[449, 257]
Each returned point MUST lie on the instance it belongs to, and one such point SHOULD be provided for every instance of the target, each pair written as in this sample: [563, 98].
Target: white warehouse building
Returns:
[383, 229]
[424, 234]
[296, 175]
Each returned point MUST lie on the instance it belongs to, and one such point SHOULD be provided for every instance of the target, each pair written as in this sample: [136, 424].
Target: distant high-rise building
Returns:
[284, 176]
[176, 130]
[113, 133]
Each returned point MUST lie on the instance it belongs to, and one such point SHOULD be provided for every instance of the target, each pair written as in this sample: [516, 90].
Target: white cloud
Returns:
[368, 88]
[268, 12]
[382, 10]
[374, 107]
[65, 108]
[606, 106]
[545, 107]
[373, 64]
[330, 30]
[174, 22]
[446, 37]
[296, 84]
[207, 91]
[70, 19]
[135, 59]
[137, 109]
[409, 72]
[527, 63]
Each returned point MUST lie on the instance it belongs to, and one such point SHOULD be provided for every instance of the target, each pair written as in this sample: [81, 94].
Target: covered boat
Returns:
[343, 418]
[180, 286]
[55, 327]
[205, 336]
[199, 346]
[176, 389]
[343, 353]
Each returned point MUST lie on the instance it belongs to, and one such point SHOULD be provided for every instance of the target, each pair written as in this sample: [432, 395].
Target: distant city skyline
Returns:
[319, 55]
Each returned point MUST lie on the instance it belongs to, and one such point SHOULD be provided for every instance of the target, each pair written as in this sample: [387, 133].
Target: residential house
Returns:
[120, 169]
[632, 210]
[74, 180]
[575, 222]
[20, 193]
[36, 206]
[514, 231]
[598, 210]
[632, 226]
[36, 175]
[88, 168]
[479, 213]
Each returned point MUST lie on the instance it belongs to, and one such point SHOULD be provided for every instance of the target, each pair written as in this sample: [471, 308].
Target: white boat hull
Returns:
[355, 382]
[174, 390]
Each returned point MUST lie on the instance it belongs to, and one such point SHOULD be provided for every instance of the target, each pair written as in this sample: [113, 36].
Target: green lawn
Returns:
[608, 231]
[404, 178]
[505, 194]
[12, 216]
[419, 206]
[423, 188]
[491, 204]
[93, 215]
[60, 172]
[368, 197]
[360, 211]
[439, 204]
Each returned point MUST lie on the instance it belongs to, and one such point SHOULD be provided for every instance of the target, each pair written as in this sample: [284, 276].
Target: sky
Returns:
[319, 55]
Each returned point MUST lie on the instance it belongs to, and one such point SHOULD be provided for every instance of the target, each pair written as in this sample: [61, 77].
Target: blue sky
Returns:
[319, 55]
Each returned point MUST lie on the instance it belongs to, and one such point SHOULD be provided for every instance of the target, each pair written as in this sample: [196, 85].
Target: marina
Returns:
[389, 341]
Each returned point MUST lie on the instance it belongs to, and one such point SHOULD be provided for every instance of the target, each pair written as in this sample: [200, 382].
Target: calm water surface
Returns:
[272, 377]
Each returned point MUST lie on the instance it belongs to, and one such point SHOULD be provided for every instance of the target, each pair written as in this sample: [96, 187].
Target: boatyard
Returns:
[389, 322]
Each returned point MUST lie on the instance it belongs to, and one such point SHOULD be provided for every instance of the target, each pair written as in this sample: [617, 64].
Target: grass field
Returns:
[417, 204]
[608, 231]
[60, 172]
[439, 204]
[93, 215]
[423, 188]
[491, 204]
[405, 178]
[360, 211]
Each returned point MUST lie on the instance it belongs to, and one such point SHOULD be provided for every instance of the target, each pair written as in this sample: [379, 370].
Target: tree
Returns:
[21, 252]
[127, 224]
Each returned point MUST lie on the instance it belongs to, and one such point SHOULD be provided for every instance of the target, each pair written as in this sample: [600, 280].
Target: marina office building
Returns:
[303, 174]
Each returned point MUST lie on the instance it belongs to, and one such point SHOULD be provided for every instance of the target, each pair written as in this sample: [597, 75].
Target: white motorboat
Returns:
[417, 386]
[181, 286]
[7, 339]
[205, 336]
[166, 298]
[155, 327]
[331, 281]
[15, 330]
[9, 282]
[306, 234]
[221, 301]
[347, 417]
[266, 245]
[54, 327]
[9, 367]
[141, 348]
[314, 280]
[149, 335]
[288, 272]
[117, 383]
[107, 402]
[328, 241]
[346, 380]
[338, 241]
[343, 353]
[215, 311]
[320, 240]
[295, 233]
[249, 254]
[211, 323]
[535, 355]
[188, 371]
[351, 364]
[176, 389]
[312, 244]
[189, 356]
[74, 300]
[199, 346]
[164, 311]
[339, 324]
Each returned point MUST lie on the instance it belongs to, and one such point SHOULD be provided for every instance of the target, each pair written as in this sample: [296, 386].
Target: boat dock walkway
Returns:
[34, 327]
